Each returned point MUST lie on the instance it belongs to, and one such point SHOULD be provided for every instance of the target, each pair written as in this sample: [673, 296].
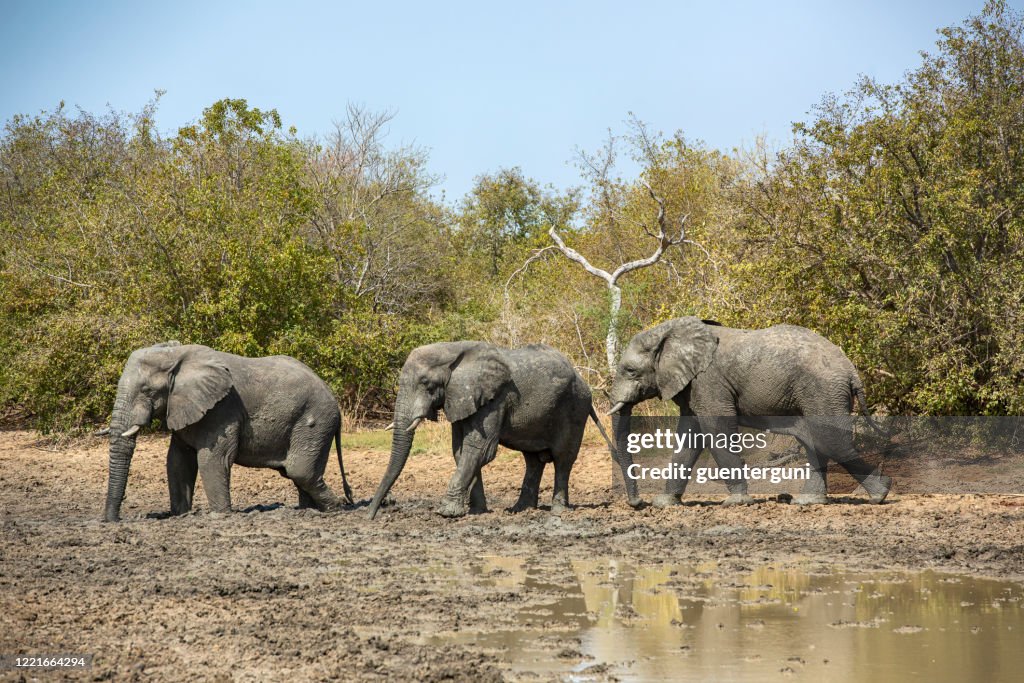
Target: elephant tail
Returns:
[857, 388]
[341, 465]
[600, 428]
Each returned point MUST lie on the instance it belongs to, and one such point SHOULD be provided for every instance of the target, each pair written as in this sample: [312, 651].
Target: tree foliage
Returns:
[893, 224]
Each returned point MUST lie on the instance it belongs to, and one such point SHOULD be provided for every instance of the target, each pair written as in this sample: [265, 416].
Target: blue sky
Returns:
[520, 84]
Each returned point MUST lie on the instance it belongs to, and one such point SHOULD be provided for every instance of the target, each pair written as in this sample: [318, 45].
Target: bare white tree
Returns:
[664, 241]
[611, 279]
[609, 197]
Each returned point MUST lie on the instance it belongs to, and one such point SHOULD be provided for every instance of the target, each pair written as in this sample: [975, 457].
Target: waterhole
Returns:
[692, 622]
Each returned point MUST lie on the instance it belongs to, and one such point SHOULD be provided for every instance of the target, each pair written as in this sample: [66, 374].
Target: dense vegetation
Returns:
[893, 225]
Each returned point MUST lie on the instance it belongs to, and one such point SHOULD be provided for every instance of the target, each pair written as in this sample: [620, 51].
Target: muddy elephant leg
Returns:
[182, 469]
[215, 470]
[684, 461]
[815, 488]
[560, 497]
[306, 501]
[315, 493]
[530, 491]
[874, 482]
[466, 478]
[478, 446]
[726, 458]
[477, 496]
[216, 454]
[306, 470]
[308, 453]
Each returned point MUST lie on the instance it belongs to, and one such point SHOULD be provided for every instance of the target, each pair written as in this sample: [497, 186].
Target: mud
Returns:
[276, 592]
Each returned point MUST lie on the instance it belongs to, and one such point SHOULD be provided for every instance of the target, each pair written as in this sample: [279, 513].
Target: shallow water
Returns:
[689, 622]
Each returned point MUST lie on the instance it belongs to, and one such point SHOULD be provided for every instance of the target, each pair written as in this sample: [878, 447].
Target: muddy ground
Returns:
[275, 592]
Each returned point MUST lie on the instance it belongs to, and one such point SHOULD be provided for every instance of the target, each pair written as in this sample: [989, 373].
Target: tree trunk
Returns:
[611, 341]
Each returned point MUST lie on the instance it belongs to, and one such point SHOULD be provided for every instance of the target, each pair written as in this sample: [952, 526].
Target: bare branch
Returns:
[522, 269]
[32, 266]
[574, 255]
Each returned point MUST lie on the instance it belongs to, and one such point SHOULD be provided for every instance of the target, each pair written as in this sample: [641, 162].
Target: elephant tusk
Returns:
[102, 432]
[131, 431]
[616, 408]
[415, 423]
[389, 427]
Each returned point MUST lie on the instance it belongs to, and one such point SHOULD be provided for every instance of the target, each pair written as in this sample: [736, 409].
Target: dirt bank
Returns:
[277, 592]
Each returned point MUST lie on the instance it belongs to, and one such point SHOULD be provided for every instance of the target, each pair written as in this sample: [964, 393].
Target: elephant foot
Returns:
[636, 503]
[810, 499]
[452, 508]
[558, 507]
[521, 506]
[478, 509]
[739, 499]
[665, 500]
[881, 489]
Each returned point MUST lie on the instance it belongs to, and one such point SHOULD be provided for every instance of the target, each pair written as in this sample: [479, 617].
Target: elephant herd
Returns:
[223, 409]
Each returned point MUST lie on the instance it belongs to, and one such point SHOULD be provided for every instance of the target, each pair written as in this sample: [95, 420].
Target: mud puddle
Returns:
[612, 619]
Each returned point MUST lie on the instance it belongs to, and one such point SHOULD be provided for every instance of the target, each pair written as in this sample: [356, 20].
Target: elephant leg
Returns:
[564, 450]
[308, 453]
[530, 491]
[874, 482]
[182, 470]
[675, 488]
[315, 493]
[815, 488]
[684, 461]
[479, 445]
[560, 497]
[724, 457]
[216, 453]
[215, 470]
[306, 501]
[307, 473]
[477, 498]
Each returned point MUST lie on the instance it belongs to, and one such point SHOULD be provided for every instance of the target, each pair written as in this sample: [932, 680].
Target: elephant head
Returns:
[175, 383]
[659, 362]
[460, 377]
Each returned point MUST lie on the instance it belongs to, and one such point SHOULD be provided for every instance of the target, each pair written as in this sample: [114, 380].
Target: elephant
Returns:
[529, 399]
[721, 378]
[223, 410]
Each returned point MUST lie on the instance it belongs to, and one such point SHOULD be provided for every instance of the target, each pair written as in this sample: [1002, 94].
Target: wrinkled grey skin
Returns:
[530, 400]
[718, 376]
[225, 410]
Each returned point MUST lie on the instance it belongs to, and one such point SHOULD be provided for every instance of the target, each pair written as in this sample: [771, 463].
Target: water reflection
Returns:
[689, 622]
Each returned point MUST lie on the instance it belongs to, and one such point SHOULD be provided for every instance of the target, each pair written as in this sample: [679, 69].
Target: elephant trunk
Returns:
[121, 451]
[621, 421]
[401, 443]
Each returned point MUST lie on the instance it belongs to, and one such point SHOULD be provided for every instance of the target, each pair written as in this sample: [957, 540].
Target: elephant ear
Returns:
[686, 349]
[477, 377]
[198, 385]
